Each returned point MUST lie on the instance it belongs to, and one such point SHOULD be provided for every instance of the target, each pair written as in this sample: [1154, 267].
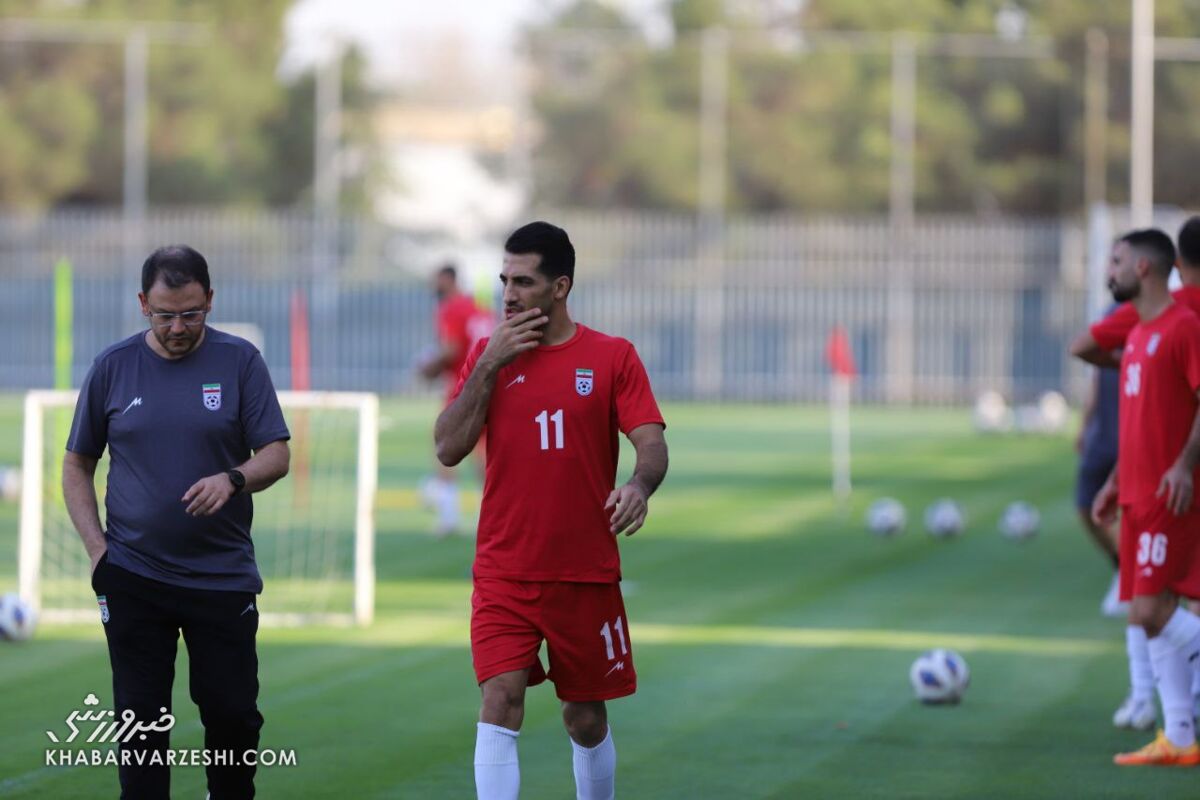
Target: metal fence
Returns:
[740, 311]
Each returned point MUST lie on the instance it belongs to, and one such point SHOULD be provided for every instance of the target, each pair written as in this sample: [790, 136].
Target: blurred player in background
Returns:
[1153, 485]
[553, 395]
[1097, 448]
[460, 323]
[1101, 345]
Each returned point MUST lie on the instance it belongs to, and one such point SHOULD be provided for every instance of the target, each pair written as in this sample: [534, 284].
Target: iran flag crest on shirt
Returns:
[583, 382]
[212, 396]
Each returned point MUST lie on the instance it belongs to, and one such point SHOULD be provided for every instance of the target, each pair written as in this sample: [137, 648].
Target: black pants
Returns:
[144, 618]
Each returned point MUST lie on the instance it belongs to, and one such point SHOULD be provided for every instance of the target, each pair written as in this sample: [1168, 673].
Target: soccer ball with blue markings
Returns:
[886, 517]
[939, 676]
[17, 619]
[944, 519]
[1020, 521]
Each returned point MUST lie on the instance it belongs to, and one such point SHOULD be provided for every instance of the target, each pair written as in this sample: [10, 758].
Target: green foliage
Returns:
[222, 127]
[809, 129]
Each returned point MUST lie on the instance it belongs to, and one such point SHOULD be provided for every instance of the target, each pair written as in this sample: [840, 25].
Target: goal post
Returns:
[314, 535]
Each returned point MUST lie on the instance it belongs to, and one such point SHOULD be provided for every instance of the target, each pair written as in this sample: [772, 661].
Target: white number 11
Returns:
[543, 420]
[606, 632]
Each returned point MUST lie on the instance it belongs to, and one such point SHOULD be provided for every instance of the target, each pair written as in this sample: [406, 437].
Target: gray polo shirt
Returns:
[167, 424]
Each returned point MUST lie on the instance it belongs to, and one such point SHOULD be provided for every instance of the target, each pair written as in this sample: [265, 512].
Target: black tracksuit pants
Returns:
[144, 619]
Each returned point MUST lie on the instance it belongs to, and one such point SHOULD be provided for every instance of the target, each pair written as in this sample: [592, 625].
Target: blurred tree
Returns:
[809, 129]
[222, 126]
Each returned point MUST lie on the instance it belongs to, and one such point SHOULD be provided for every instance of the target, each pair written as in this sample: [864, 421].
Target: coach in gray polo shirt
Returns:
[193, 427]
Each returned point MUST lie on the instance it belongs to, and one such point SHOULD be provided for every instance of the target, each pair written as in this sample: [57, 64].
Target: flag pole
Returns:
[839, 413]
[841, 364]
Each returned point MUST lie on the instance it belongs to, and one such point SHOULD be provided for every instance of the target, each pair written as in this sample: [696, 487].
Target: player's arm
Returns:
[1086, 348]
[459, 426]
[1176, 482]
[629, 503]
[448, 352]
[1104, 504]
[1089, 410]
[79, 492]
[209, 495]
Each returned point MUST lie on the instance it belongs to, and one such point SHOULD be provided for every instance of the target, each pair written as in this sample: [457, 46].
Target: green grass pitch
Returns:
[772, 635]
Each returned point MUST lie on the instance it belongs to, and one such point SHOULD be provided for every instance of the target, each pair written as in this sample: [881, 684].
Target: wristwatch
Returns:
[237, 479]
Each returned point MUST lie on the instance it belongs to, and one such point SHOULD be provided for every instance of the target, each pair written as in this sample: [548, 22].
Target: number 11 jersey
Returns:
[552, 446]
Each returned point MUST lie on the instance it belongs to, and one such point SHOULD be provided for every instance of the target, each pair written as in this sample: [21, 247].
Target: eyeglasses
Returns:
[190, 319]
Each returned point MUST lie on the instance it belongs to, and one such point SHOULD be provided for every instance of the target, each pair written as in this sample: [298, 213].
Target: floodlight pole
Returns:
[326, 171]
[708, 348]
[1095, 148]
[1141, 144]
[902, 213]
[327, 182]
[135, 187]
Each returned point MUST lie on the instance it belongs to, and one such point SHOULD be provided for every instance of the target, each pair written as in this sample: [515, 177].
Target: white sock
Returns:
[1183, 631]
[595, 769]
[497, 772]
[1174, 680]
[447, 504]
[1141, 675]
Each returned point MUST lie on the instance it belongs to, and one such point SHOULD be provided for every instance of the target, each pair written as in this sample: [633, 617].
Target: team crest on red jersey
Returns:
[1152, 345]
[583, 382]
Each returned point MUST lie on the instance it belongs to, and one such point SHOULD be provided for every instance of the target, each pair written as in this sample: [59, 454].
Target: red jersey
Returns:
[1111, 332]
[1160, 373]
[552, 426]
[461, 322]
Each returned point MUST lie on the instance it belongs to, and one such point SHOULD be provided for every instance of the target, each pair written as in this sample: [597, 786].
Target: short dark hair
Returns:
[548, 241]
[1189, 242]
[1154, 245]
[177, 265]
[448, 269]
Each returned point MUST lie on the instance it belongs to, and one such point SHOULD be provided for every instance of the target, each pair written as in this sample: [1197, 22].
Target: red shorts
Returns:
[583, 624]
[1158, 551]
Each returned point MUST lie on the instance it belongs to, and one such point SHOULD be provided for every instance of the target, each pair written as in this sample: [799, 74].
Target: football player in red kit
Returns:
[1153, 484]
[553, 396]
[461, 322]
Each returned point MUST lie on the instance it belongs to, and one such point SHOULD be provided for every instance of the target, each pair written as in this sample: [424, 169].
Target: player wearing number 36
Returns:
[552, 396]
[1153, 486]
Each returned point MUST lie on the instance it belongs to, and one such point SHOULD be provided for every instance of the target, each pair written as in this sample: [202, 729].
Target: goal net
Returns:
[313, 533]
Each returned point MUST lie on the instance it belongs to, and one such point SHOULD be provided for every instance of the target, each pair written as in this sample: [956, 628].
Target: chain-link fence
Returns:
[740, 313]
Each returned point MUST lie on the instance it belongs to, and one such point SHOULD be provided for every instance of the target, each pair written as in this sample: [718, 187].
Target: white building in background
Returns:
[454, 191]
[440, 182]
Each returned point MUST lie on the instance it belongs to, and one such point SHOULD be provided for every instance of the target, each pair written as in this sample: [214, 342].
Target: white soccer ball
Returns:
[939, 676]
[17, 619]
[992, 414]
[10, 483]
[886, 517]
[1053, 408]
[1020, 521]
[944, 518]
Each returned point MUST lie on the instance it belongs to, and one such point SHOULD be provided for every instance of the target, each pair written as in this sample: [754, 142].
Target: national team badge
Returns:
[583, 382]
[102, 600]
[1152, 345]
[212, 396]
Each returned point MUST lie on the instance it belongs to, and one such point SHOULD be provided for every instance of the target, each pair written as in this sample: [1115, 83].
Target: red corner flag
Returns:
[837, 352]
